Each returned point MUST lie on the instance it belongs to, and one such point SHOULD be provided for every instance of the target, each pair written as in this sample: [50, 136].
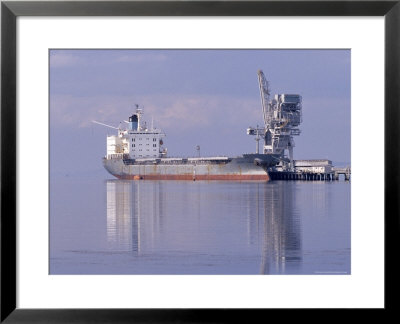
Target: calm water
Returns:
[180, 227]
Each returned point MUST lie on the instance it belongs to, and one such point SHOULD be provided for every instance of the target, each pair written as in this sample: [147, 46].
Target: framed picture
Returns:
[189, 251]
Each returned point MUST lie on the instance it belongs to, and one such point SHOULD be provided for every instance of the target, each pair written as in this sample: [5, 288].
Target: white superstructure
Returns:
[138, 141]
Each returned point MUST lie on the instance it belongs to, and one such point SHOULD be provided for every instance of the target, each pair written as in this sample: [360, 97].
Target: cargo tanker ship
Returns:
[138, 152]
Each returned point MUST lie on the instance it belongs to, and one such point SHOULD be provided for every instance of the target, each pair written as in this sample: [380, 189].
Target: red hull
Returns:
[197, 177]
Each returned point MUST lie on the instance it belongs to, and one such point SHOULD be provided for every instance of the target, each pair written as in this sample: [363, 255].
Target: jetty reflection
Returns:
[252, 219]
[281, 248]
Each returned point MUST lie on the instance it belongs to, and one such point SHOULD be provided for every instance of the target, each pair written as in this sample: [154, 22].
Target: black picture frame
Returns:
[10, 10]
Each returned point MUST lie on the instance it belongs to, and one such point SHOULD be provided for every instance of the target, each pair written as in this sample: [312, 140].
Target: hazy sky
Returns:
[198, 97]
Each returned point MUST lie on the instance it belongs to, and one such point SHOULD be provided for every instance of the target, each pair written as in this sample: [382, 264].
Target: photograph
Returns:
[199, 161]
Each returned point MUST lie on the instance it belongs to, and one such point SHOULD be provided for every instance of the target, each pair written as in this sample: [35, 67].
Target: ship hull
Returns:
[251, 167]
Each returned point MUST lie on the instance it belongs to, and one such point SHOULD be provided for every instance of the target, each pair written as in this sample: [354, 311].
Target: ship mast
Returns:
[139, 112]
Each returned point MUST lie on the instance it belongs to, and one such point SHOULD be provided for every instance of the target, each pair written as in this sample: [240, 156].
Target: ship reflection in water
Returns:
[206, 227]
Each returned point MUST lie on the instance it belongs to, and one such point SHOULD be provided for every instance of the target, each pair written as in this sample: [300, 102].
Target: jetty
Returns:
[310, 170]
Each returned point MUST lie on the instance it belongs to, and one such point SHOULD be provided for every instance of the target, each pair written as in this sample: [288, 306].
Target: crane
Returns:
[266, 108]
[282, 116]
[264, 94]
